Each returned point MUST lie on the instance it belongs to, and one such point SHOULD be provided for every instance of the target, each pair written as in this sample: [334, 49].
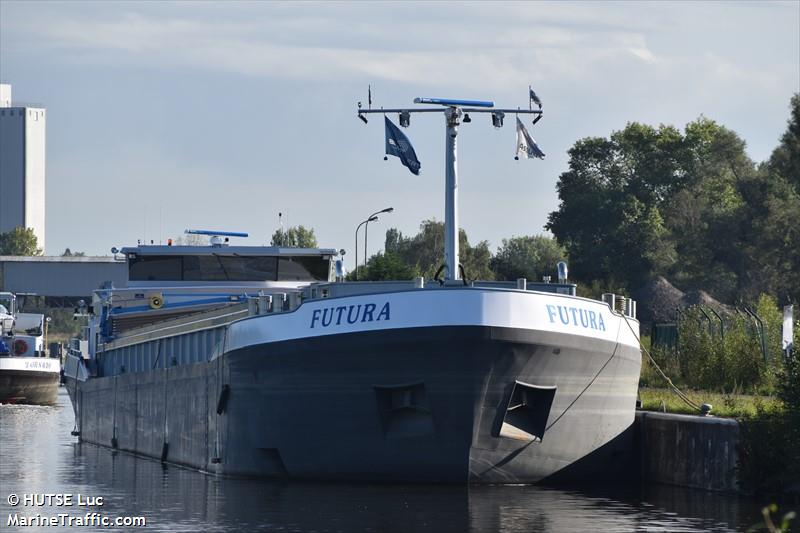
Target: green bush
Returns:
[769, 446]
[699, 363]
[667, 360]
[740, 358]
[733, 361]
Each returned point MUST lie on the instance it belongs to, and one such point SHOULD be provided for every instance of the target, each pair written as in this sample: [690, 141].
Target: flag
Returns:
[397, 144]
[526, 146]
[535, 98]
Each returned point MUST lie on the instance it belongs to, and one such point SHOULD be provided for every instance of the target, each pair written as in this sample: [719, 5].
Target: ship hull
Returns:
[423, 404]
[28, 387]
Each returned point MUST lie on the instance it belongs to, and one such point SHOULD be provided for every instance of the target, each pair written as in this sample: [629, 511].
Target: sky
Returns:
[164, 116]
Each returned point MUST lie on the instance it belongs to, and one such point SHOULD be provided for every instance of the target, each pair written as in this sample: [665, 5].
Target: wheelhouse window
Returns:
[303, 268]
[203, 268]
[219, 267]
[249, 268]
[155, 268]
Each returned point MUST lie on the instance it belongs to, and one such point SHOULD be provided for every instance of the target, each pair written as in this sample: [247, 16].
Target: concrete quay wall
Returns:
[688, 451]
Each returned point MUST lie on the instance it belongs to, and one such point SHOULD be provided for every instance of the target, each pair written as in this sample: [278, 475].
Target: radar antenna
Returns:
[216, 236]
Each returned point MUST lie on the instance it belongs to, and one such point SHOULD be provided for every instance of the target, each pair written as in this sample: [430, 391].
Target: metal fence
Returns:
[666, 335]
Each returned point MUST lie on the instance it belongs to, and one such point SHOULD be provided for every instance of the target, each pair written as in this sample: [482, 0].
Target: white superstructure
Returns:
[22, 165]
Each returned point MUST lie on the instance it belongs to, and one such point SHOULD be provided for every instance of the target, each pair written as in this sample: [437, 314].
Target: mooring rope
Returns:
[672, 386]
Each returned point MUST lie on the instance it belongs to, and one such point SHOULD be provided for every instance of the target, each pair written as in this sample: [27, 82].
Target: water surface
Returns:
[38, 455]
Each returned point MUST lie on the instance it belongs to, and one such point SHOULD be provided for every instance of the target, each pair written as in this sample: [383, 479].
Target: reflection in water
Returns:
[37, 454]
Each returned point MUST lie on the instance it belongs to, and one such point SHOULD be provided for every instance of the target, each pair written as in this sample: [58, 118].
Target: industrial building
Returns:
[61, 281]
[22, 165]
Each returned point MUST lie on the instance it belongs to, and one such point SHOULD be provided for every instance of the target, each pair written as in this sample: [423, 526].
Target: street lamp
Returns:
[366, 228]
[367, 221]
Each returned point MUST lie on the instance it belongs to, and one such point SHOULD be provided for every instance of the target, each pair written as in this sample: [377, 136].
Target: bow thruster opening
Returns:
[527, 412]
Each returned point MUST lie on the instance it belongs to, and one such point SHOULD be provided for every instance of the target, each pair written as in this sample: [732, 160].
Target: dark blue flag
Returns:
[397, 144]
[535, 98]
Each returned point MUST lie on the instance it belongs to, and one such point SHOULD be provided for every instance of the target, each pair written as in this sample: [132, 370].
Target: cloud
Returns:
[482, 46]
[485, 51]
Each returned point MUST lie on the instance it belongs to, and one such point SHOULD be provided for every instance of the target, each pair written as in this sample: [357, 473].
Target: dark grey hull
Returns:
[28, 387]
[416, 405]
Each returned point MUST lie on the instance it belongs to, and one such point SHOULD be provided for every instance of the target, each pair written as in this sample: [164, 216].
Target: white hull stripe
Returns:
[30, 364]
[542, 312]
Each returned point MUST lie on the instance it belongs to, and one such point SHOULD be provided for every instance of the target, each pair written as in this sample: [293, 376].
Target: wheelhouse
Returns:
[200, 265]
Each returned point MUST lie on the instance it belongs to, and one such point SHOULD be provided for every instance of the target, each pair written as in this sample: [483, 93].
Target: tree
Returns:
[476, 260]
[768, 225]
[652, 201]
[425, 251]
[529, 256]
[295, 237]
[386, 267]
[785, 160]
[19, 241]
[708, 207]
[609, 218]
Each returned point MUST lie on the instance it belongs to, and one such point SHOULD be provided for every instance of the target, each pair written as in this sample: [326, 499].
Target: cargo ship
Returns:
[264, 361]
[283, 370]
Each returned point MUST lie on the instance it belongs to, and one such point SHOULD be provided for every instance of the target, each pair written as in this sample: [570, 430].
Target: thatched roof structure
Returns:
[659, 301]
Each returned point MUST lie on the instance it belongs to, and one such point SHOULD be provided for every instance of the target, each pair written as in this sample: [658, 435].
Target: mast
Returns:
[451, 260]
[453, 111]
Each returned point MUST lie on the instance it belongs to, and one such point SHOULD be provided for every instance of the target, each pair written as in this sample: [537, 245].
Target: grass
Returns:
[724, 405]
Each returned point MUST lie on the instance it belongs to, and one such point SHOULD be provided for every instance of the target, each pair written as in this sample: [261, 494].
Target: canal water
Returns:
[39, 456]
